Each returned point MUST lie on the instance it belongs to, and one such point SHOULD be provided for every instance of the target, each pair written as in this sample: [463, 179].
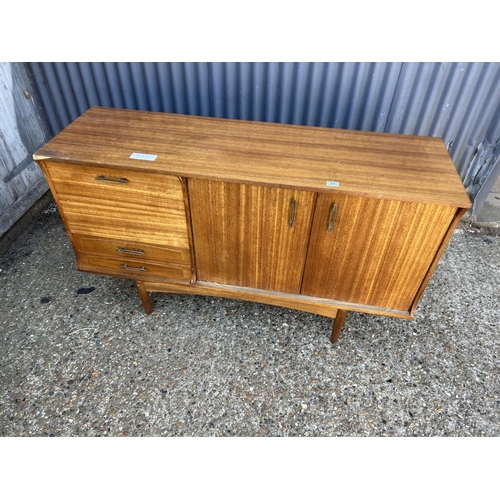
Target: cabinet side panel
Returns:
[459, 213]
[242, 235]
[378, 251]
[46, 173]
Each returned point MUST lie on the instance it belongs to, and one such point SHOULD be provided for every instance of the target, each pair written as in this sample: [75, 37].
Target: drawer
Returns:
[135, 269]
[131, 250]
[121, 204]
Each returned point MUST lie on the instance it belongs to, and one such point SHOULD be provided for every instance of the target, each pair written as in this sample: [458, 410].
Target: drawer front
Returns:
[132, 250]
[121, 204]
[135, 269]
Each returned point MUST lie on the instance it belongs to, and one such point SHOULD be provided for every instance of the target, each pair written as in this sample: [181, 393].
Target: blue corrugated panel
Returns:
[459, 102]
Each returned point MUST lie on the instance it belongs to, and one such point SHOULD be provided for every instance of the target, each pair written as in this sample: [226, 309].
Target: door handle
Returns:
[102, 178]
[128, 268]
[131, 252]
[291, 215]
[332, 217]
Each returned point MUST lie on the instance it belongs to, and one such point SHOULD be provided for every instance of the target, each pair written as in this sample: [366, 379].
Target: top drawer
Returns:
[123, 204]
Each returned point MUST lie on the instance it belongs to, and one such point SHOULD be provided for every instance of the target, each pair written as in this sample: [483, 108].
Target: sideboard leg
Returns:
[337, 325]
[143, 293]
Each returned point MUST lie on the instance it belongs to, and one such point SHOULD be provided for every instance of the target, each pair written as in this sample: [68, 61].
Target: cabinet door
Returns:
[243, 234]
[375, 252]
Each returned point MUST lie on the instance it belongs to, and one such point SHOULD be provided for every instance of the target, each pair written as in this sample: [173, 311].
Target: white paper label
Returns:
[333, 184]
[143, 156]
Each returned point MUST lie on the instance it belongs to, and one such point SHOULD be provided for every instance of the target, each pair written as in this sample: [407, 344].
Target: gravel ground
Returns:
[79, 357]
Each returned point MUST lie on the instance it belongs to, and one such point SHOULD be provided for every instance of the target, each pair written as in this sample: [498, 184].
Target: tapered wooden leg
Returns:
[143, 293]
[337, 325]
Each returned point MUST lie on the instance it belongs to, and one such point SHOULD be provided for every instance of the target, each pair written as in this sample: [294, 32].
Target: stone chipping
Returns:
[79, 357]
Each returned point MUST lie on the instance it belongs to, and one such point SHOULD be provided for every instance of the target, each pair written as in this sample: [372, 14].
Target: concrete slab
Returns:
[80, 358]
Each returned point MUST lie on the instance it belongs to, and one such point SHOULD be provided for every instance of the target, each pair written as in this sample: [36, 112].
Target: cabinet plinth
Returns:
[320, 220]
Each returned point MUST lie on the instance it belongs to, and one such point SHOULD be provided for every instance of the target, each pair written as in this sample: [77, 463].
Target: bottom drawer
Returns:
[135, 269]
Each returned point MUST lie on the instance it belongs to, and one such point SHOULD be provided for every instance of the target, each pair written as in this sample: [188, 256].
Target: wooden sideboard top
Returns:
[374, 164]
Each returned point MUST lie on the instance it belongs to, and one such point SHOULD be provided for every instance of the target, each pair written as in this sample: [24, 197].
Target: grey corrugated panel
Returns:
[151, 86]
[290, 92]
[197, 89]
[483, 117]
[458, 102]
[88, 84]
[481, 131]
[80, 90]
[454, 101]
[490, 175]
[106, 83]
[480, 94]
[70, 99]
[45, 93]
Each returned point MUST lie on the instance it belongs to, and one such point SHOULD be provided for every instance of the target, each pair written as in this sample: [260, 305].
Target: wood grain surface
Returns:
[325, 307]
[380, 165]
[378, 251]
[211, 213]
[460, 212]
[242, 235]
[131, 249]
[148, 208]
[138, 270]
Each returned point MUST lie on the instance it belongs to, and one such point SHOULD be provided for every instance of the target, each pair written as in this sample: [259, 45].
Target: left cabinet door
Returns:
[250, 236]
[124, 222]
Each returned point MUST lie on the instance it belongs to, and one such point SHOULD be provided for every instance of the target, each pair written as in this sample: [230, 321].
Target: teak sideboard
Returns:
[316, 219]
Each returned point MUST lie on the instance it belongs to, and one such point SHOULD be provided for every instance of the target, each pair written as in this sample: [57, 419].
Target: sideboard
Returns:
[315, 219]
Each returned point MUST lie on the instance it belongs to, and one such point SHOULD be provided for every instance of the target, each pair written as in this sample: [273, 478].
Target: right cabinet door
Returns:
[371, 251]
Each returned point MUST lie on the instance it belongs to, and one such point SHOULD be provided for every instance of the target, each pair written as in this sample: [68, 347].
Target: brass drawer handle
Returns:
[291, 215]
[333, 216]
[130, 252]
[128, 268]
[103, 178]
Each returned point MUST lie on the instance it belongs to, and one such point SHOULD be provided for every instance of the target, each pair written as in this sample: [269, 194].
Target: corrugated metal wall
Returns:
[459, 102]
[22, 131]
